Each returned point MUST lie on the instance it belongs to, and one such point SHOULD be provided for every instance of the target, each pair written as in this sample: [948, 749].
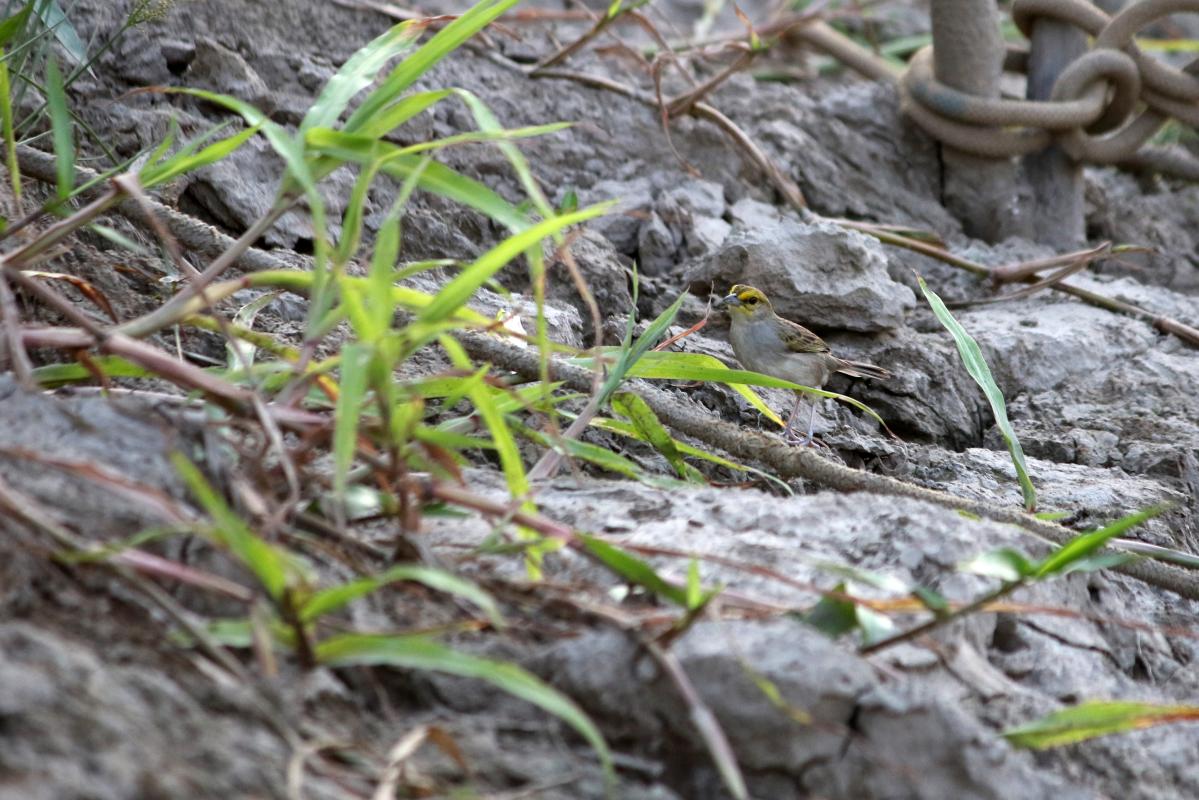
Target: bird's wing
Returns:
[801, 340]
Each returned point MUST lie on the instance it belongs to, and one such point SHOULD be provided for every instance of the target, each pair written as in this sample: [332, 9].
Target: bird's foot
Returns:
[800, 440]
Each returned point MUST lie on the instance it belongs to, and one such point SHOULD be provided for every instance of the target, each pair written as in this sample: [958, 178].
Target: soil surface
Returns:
[100, 700]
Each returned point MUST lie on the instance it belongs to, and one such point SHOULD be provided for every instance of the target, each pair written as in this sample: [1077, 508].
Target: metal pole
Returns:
[984, 194]
[1056, 180]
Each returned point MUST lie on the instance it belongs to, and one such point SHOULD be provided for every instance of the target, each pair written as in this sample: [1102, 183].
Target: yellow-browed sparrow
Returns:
[765, 342]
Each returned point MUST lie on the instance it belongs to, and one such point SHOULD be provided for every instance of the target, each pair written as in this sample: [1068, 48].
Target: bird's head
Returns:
[746, 302]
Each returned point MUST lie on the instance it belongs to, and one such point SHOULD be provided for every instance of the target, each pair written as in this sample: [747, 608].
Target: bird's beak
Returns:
[728, 300]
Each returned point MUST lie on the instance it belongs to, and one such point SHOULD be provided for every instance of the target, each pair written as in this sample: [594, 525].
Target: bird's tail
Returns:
[861, 370]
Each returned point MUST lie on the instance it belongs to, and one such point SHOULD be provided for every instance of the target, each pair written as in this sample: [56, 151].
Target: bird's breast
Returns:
[759, 348]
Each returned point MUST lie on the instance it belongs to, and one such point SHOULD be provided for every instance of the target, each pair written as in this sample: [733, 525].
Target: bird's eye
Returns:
[751, 300]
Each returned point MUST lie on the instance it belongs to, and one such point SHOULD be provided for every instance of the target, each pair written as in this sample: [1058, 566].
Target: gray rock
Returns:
[750, 213]
[697, 198]
[656, 246]
[848, 147]
[1044, 343]
[958, 757]
[219, 69]
[77, 726]
[622, 225]
[241, 188]
[705, 235]
[128, 439]
[1095, 496]
[606, 276]
[815, 273]
[1121, 210]
[930, 396]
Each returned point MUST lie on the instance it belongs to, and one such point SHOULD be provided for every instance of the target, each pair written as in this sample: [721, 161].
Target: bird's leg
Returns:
[811, 421]
[787, 435]
[794, 438]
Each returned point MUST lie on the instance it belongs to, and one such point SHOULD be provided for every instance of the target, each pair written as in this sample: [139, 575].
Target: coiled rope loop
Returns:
[1103, 106]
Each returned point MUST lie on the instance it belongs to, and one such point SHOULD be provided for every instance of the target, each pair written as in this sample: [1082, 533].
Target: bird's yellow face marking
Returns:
[746, 301]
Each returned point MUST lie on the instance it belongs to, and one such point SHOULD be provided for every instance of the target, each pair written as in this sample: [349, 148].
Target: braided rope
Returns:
[1103, 107]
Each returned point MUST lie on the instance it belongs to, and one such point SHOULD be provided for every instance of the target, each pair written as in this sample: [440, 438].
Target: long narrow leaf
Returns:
[421, 653]
[627, 429]
[976, 365]
[481, 395]
[54, 375]
[600, 457]
[455, 294]
[637, 411]
[359, 72]
[387, 249]
[633, 569]
[1081, 547]
[274, 570]
[12, 27]
[1096, 718]
[489, 125]
[418, 63]
[355, 361]
[702, 367]
[55, 20]
[436, 178]
[6, 123]
[400, 112]
[61, 129]
[631, 354]
[330, 600]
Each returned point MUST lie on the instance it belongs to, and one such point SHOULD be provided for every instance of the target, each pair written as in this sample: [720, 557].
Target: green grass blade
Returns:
[1096, 718]
[359, 72]
[488, 124]
[121, 240]
[271, 566]
[651, 429]
[483, 397]
[187, 159]
[1006, 564]
[600, 457]
[631, 354]
[336, 598]
[1159, 553]
[976, 365]
[55, 20]
[420, 653]
[702, 367]
[441, 180]
[355, 363]
[290, 148]
[455, 294]
[380, 276]
[418, 63]
[1081, 547]
[61, 127]
[626, 429]
[633, 569]
[363, 147]
[351, 220]
[54, 375]
[14, 26]
[240, 353]
[400, 112]
[6, 123]
[436, 178]
[303, 282]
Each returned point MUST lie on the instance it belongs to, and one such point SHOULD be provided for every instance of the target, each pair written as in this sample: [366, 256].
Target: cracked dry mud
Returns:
[96, 702]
